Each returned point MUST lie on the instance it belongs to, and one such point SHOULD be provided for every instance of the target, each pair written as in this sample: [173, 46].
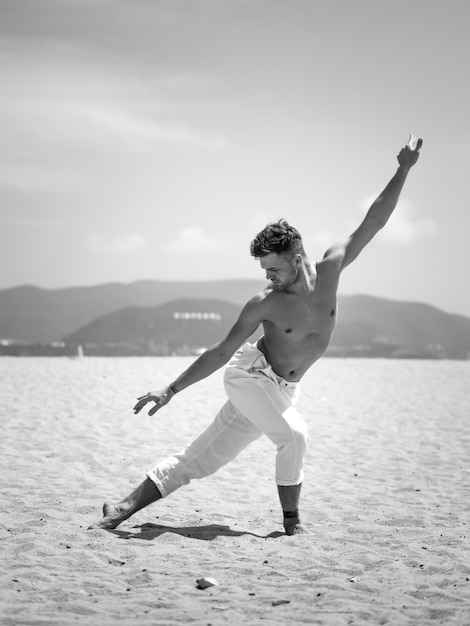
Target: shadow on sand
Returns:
[149, 532]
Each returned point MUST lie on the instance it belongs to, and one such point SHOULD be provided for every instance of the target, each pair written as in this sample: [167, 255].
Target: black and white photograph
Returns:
[234, 312]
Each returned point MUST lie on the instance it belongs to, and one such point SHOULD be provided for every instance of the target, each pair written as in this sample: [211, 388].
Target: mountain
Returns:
[177, 327]
[142, 318]
[32, 314]
[367, 326]
[371, 326]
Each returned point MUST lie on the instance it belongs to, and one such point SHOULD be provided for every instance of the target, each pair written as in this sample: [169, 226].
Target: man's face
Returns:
[281, 270]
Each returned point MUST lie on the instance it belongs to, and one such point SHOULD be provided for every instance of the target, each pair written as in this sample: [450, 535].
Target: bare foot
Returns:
[113, 515]
[293, 526]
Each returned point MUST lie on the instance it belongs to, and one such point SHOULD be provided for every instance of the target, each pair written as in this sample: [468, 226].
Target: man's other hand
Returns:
[160, 398]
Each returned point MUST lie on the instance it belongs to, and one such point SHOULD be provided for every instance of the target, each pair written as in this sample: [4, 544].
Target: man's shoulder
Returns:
[261, 297]
[260, 301]
[328, 274]
[255, 310]
[331, 262]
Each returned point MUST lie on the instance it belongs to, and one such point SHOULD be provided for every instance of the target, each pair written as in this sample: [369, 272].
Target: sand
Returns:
[386, 500]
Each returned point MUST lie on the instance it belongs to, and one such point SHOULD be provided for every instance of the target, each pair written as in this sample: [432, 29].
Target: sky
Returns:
[152, 139]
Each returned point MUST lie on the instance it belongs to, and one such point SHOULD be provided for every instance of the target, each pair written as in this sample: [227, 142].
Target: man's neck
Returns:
[306, 280]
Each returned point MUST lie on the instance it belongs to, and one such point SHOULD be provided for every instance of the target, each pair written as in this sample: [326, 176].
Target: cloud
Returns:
[194, 239]
[93, 123]
[319, 238]
[259, 220]
[403, 230]
[120, 245]
[60, 95]
[136, 132]
[403, 227]
[59, 104]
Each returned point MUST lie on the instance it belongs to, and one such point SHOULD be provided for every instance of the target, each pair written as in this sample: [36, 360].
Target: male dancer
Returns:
[298, 315]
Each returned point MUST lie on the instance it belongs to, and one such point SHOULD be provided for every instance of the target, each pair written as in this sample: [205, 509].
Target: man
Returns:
[298, 315]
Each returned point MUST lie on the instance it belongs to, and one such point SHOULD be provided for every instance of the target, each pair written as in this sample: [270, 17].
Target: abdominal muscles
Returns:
[291, 358]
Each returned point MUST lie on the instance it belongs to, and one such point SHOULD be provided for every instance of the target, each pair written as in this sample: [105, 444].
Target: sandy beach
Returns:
[386, 500]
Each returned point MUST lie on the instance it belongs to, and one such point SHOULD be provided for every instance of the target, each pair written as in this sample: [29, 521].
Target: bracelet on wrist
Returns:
[173, 388]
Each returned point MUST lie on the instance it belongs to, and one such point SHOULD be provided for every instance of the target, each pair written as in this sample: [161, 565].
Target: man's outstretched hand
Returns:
[410, 153]
[160, 398]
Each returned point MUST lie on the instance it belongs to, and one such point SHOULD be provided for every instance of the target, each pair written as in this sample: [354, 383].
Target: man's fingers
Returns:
[411, 142]
[146, 397]
[140, 405]
[143, 400]
[414, 143]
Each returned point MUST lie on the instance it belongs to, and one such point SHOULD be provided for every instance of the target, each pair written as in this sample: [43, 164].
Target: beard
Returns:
[279, 286]
[282, 285]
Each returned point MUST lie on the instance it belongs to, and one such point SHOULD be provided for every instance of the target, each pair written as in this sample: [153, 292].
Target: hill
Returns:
[177, 327]
[140, 318]
[367, 326]
[36, 315]
[380, 327]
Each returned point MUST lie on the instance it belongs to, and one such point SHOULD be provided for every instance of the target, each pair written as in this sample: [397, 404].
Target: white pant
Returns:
[259, 402]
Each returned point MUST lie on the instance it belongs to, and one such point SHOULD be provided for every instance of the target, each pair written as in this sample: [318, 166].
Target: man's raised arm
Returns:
[343, 253]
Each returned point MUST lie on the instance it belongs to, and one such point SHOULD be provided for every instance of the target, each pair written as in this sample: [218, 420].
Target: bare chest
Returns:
[301, 320]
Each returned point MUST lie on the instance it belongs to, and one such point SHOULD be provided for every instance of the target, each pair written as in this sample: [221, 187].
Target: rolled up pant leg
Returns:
[221, 442]
[264, 402]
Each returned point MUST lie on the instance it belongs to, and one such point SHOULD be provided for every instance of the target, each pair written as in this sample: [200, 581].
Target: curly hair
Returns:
[279, 237]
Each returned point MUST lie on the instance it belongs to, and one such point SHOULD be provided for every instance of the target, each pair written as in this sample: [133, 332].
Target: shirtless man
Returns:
[298, 315]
